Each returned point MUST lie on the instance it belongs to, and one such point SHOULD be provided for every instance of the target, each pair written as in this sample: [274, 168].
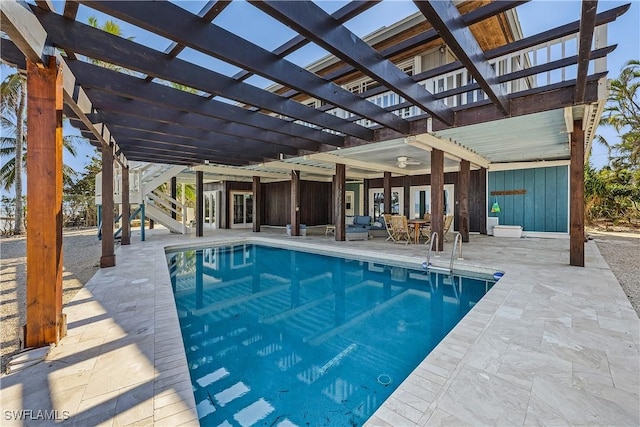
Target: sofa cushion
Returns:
[377, 226]
[362, 220]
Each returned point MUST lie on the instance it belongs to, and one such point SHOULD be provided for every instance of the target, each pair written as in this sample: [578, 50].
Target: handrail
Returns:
[533, 64]
[434, 237]
[453, 251]
[167, 202]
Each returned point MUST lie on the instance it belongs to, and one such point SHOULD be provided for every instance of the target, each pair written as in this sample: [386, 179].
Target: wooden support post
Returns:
[576, 202]
[45, 323]
[174, 195]
[257, 204]
[108, 258]
[437, 191]
[406, 199]
[338, 201]
[464, 180]
[199, 203]
[295, 203]
[387, 193]
[365, 198]
[126, 210]
[482, 197]
[333, 200]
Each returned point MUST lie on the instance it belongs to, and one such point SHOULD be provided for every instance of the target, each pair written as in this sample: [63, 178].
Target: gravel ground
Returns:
[81, 253]
[82, 256]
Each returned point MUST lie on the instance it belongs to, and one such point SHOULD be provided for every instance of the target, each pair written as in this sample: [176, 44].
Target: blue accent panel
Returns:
[550, 198]
[562, 190]
[518, 199]
[539, 198]
[543, 207]
[529, 200]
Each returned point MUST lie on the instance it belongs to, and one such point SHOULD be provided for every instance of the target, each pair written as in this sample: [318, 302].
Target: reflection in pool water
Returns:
[280, 337]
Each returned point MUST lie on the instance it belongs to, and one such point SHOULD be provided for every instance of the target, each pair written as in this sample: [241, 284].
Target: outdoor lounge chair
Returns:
[359, 230]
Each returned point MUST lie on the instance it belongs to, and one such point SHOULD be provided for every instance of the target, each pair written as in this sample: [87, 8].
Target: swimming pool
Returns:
[281, 337]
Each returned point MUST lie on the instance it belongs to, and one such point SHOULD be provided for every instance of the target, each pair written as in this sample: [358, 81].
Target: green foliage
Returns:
[613, 193]
[79, 196]
[622, 112]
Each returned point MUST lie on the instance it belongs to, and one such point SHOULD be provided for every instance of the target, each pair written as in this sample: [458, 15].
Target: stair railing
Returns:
[168, 203]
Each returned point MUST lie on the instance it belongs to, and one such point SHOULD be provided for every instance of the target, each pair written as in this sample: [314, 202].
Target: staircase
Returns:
[144, 180]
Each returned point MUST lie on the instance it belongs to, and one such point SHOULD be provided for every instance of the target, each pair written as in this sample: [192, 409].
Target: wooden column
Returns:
[199, 203]
[257, 204]
[387, 192]
[365, 197]
[464, 182]
[437, 191]
[126, 211]
[333, 200]
[576, 202]
[108, 258]
[174, 195]
[483, 200]
[45, 323]
[406, 199]
[295, 203]
[338, 201]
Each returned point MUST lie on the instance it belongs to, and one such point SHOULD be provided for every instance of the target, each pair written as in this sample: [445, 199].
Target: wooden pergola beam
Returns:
[587, 25]
[98, 44]
[318, 26]
[175, 23]
[470, 18]
[446, 19]
[345, 13]
[106, 102]
[131, 87]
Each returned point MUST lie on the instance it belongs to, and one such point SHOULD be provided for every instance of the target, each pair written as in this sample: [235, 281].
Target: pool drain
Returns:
[384, 379]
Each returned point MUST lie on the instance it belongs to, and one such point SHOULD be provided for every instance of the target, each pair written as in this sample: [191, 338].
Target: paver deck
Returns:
[549, 344]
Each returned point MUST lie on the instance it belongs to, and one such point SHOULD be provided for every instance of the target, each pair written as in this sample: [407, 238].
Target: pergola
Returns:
[141, 104]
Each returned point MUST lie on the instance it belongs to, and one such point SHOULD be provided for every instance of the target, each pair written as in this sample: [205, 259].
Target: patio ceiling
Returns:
[173, 101]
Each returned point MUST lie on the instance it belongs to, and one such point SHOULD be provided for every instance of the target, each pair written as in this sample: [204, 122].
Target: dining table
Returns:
[417, 224]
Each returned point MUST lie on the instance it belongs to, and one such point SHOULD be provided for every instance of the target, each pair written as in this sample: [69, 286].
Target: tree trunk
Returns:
[18, 227]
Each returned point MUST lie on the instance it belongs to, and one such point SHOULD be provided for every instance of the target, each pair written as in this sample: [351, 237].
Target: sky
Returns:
[535, 16]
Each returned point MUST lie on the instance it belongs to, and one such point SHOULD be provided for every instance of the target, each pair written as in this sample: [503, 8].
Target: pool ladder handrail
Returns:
[457, 240]
[434, 237]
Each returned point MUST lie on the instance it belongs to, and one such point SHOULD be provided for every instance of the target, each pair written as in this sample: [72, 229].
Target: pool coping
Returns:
[164, 392]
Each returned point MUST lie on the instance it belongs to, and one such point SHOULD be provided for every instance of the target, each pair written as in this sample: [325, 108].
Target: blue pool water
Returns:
[276, 337]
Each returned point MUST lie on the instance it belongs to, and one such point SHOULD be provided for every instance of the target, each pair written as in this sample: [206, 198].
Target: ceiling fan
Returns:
[403, 161]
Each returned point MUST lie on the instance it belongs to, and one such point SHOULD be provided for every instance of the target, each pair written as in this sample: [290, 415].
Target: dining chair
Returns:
[400, 229]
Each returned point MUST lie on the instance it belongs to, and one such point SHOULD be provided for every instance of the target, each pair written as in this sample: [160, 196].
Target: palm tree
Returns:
[13, 95]
[622, 112]
[13, 142]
